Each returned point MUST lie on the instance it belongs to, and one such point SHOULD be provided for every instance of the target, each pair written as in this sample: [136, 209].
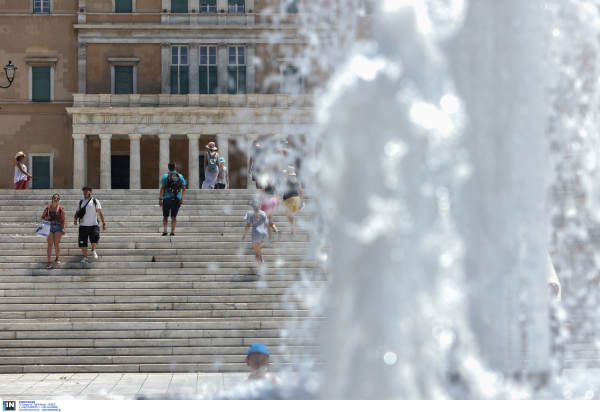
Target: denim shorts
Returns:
[56, 227]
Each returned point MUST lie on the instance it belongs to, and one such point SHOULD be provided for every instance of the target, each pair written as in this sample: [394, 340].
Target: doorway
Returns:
[119, 166]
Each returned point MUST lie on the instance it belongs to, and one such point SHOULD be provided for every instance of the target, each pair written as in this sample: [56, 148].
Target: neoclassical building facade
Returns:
[107, 92]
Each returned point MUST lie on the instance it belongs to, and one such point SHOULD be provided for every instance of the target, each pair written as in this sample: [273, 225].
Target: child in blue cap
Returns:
[258, 361]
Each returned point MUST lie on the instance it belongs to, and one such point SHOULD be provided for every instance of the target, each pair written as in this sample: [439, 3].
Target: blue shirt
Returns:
[164, 182]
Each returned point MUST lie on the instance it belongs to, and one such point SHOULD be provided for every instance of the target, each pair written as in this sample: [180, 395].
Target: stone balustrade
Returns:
[194, 100]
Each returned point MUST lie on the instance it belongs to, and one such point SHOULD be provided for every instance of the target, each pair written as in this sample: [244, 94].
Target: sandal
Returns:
[49, 265]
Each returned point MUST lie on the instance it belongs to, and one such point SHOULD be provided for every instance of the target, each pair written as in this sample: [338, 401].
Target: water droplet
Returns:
[556, 32]
[567, 394]
[390, 358]
[589, 394]
[450, 103]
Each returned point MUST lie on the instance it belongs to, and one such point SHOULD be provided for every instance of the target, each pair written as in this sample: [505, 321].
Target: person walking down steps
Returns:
[211, 166]
[258, 219]
[21, 175]
[56, 216]
[87, 212]
[172, 193]
[223, 179]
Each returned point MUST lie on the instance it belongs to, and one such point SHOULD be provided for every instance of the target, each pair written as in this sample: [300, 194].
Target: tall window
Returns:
[236, 6]
[40, 84]
[123, 6]
[123, 79]
[41, 6]
[208, 6]
[292, 81]
[290, 6]
[179, 6]
[180, 70]
[208, 70]
[236, 70]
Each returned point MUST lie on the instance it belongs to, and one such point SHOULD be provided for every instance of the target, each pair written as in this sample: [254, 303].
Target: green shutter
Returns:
[231, 79]
[236, 1]
[41, 84]
[208, 79]
[123, 79]
[291, 6]
[183, 81]
[208, 2]
[179, 6]
[123, 6]
[241, 80]
[41, 171]
[212, 80]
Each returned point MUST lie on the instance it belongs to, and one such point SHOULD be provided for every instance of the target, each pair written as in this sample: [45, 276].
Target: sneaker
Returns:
[94, 254]
[172, 234]
[84, 260]
[49, 265]
[57, 260]
[164, 234]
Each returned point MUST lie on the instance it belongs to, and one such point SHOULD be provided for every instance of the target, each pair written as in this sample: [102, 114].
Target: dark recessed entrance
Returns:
[119, 166]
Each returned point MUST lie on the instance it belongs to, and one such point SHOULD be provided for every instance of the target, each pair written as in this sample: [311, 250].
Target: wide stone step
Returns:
[228, 299]
[88, 273]
[204, 259]
[73, 263]
[243, 249]
[71, 238]
[224, 290]
[148, 231]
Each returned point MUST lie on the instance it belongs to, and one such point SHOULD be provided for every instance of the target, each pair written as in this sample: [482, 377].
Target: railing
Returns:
[193, 100]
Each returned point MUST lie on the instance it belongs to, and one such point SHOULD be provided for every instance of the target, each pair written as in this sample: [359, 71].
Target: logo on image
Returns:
[9, 405]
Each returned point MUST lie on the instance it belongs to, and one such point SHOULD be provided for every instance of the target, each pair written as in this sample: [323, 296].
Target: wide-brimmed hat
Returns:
[20, 154]
[211, 146]
[289, 171]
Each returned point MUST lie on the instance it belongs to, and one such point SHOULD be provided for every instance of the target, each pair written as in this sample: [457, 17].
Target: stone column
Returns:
[165, 57]
[135, 181]
[222, 68]
[250, 68]
[105, 182]
[81, 67]
[164, 156]
[78, 161]
[193, 181]
[249, 183]
[194, 68]
[223, 146]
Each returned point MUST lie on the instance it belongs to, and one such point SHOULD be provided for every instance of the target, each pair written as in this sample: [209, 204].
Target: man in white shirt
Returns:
[89, 223]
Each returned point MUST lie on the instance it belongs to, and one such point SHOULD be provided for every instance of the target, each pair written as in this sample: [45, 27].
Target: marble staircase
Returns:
[188, 303]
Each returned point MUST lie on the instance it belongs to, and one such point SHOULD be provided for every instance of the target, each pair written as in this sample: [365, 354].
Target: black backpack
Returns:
[173, 184]
[82, 210]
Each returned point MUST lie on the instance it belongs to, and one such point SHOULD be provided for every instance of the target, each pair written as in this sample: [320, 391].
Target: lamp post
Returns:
[9, 69]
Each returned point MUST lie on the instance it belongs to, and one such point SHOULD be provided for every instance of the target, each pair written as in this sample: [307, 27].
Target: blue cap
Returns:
[258, 348]
[222, 160]
[255, 202]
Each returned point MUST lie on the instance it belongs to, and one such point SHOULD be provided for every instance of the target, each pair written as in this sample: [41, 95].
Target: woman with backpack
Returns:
[56, 216]
[258, 219]
[211, 166]
[293, 198]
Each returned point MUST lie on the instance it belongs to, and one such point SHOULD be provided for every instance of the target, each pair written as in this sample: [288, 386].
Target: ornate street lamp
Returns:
[9, 69]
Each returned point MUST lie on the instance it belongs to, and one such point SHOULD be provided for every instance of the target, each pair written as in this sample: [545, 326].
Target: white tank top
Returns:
[18, 175]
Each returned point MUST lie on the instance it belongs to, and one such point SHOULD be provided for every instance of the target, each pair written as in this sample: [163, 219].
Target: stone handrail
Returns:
[194, 100]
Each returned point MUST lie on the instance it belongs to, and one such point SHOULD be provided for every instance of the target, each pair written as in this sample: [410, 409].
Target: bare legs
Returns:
[166, 223]
[84, 249]
[271, 225]
[292, 222]
[257, 253]
[53, 239]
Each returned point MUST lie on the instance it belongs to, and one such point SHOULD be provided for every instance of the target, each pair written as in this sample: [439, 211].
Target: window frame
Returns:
[31, 156]
[237, 64]
[236, 5]
[300, 64]
[208, 48]
[133, 7]
[41, 62]
[32, 7]
[123, 61]
[207, 12]
[179, 64]
[285, 4]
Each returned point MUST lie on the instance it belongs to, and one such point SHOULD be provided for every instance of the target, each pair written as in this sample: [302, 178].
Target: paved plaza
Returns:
[36, 386]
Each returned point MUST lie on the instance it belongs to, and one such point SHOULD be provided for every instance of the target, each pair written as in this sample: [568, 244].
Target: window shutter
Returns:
[236, 1]
[123, 79]
[241, 80]
[123, 6]
[232, 79]
[40, 84]
[179, 6]
[204, 79]
[291, 6]
[41, 170]
[183, 81]
[212, 80]
[208, 2]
